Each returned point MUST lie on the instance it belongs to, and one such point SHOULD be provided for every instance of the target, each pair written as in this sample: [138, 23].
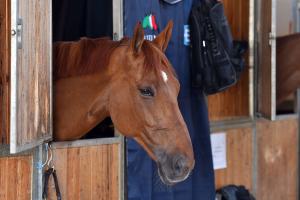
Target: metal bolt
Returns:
[13, 32]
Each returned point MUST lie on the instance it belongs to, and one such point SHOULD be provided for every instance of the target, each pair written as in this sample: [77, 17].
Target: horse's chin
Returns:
[167, 180]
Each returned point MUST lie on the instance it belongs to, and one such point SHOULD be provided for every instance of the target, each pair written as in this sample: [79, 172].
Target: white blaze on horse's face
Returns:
[164, 76]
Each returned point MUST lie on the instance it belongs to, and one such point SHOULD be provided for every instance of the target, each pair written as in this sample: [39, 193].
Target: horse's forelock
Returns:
[155, 60]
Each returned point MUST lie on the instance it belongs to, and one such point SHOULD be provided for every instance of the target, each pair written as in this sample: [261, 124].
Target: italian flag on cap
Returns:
[149, 22]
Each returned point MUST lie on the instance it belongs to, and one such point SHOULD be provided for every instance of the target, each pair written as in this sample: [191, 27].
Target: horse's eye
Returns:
[147, 92]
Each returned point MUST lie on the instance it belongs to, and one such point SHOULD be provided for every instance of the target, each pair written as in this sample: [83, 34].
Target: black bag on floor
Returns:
[217, 61]
[233, 192]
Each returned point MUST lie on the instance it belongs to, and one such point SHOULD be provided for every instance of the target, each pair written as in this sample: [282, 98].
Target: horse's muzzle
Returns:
[174, 169]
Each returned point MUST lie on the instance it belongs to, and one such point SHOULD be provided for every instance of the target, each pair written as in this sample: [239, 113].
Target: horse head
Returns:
[143, 104]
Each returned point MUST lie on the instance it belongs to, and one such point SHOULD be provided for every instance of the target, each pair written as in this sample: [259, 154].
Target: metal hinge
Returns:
[272, 38]
[18, 33]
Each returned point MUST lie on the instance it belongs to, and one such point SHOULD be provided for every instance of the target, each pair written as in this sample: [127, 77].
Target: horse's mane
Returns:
[83, 57]
[88, 56]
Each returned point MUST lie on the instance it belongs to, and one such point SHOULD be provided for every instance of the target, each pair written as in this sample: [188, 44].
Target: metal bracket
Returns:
[272, 38]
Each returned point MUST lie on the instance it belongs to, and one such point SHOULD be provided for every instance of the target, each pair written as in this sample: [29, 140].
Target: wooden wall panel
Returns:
[15, 178]
[277, 144]
[89, 173]
[4, 69]
[234, 102]
[239, 159]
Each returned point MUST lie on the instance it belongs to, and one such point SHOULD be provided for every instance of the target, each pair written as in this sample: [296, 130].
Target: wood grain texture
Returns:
[4, 70]
[277, 144]
[234, 102]
[89, 173]
[34, 72]
[239, 159]
[15, 178]
[264, 66]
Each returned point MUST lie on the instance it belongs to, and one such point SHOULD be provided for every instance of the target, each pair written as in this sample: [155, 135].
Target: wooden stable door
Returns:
[15, 178]
[4, 70]
[267, 59]
[277, 159]
[30, 77]
[88, 169]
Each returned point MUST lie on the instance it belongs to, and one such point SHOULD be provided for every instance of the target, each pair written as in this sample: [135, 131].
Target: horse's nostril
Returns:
[180, 166]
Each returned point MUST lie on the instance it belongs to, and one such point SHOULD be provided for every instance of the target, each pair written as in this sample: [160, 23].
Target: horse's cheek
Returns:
[122, 115]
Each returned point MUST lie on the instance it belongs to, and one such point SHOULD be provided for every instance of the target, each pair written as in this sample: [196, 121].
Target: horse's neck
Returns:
[81, 92]
[80, 104]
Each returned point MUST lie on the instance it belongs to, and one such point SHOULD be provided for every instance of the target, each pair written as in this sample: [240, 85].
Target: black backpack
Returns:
[217, 60]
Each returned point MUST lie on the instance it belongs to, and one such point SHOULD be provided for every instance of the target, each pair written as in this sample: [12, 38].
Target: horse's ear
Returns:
[138, 38]
[162, 40]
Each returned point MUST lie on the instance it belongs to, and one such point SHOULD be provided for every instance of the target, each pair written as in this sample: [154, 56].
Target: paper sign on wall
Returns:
[218, 145]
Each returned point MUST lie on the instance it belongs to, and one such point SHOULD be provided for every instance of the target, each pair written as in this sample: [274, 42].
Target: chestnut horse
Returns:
[131, 81]
[288, 66]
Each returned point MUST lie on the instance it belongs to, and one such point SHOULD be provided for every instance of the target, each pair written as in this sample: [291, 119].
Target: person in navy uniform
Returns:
[143, 179]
